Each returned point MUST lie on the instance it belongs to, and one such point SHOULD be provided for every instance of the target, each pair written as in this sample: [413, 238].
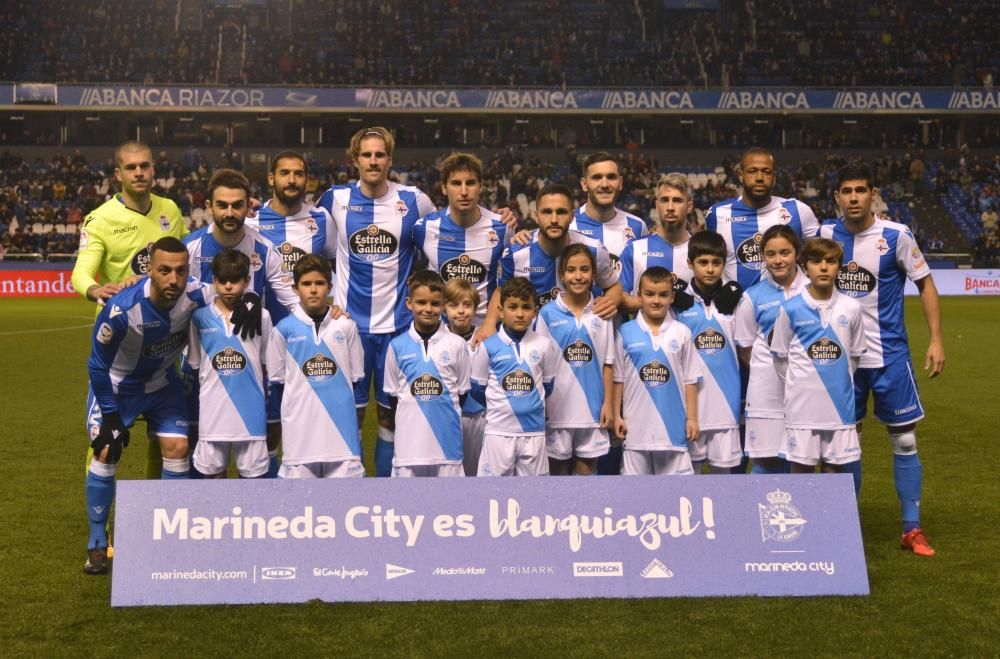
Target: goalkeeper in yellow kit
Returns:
[116, 236]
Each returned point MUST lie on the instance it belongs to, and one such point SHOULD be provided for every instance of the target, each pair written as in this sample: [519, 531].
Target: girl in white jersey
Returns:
[579, 411]
[753, 324]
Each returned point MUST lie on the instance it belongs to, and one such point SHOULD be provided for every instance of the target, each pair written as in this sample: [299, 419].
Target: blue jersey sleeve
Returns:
[107, 337]
[627, 268]
[506, 269]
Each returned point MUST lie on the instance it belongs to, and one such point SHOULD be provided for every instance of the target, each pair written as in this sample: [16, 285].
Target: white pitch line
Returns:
[48, 329]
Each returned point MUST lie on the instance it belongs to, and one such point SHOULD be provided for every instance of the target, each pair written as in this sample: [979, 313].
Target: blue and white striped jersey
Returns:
[267, 279]
[742, 227]
[318, 370]
[652, 250]
[135, 344]
[470, 253]
[427, 382]
[719, 388]
[876, 264]
[586, 345]
[513, 377]
[654, 370]
[754, 321]
[310, 231]
[230, 377]
[822, 341]
[375, 252]
[614, 234]
[533, 263]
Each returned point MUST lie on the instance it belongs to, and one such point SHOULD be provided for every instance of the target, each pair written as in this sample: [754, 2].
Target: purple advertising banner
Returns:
[250, 541]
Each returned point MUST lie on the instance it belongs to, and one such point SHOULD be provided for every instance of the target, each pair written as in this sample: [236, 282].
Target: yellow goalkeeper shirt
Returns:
[115, 240]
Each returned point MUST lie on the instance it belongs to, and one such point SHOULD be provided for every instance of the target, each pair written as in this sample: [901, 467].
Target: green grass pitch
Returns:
[946, 605]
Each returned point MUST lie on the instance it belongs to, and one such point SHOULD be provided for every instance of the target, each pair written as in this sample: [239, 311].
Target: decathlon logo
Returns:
[599, 569]
[396, 571]
[286, 573]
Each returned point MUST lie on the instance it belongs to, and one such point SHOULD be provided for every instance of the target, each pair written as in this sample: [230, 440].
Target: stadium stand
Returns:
[447, 42]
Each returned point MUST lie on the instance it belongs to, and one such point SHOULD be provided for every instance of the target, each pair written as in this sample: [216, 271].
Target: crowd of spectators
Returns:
[532, 42]
[43, 203]
[968, 187]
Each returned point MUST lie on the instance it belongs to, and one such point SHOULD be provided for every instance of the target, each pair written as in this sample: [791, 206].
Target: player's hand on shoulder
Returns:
[727, 297]
[336, 311]
[131, 280]
[604, 307]
[522, 237]
[507, 217]
[101, 293]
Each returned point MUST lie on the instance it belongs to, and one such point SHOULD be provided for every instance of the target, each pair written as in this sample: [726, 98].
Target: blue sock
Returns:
[909, 476]
[384, 449]
[273, 464]
[854, 469]
[610, 464]
[175, 469]
[100, 494]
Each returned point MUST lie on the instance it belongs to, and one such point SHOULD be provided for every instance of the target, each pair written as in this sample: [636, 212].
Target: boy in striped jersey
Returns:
[656, 376]
[230, 373]
[427, 379]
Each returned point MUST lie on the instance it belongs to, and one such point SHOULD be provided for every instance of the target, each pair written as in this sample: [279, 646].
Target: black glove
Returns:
[113, 434]
[682, 300]
[727, 296]
[246, 317]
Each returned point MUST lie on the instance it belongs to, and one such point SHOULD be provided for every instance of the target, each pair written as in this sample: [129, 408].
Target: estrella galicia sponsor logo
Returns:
[855, 281]
[749, 252]
[426, 387]
[825, 351]
[710, 341]
[780, 521]
[654, 374]
[373, 243]
[277, 573]
[172, 343]
[140, 262]
[518, 382]
[464, 571]
[463, 267]
[598, 569]
[527, 570]
[656, 569]
[319, 368]
[341, 572]
[228, 361]
[578, 353]
[290, 255]
[396, 571]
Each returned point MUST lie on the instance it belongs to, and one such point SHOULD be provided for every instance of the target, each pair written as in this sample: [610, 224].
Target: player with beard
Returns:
[295, 227]
[667, 246]
[743, 221]
[599, 218]
[538, 261]
[228, 202]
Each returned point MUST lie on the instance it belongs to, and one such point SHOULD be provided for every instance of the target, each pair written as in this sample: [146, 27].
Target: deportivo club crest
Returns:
[780, 520]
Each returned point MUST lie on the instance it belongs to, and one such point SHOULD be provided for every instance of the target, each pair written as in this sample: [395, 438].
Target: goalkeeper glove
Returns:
[246, 317]
[727, 296]
[682, 301]
[113, 435]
